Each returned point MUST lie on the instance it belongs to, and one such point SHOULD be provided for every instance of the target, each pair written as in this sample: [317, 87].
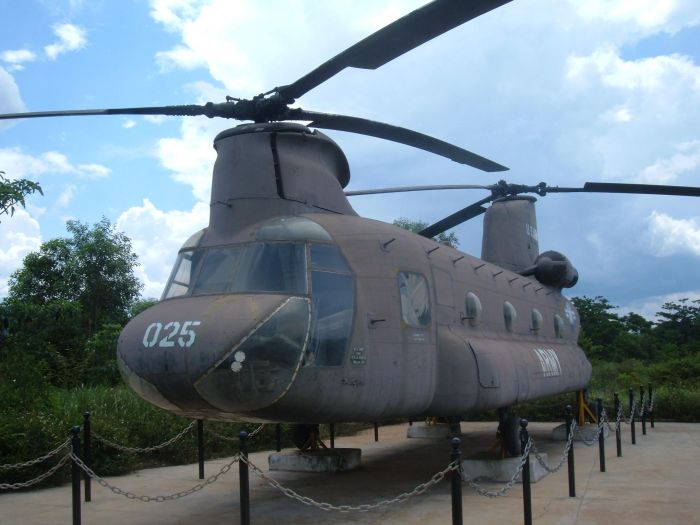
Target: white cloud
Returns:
[155, 119]
[157, 236]
[70, 38]
[672, 236]
[19, 165]
[647, 74]
[666, 170]
[128, 124]
[66, 196]
[10, 99]
[19, 235]
[648, 306]
[18, 56]
[644, 13]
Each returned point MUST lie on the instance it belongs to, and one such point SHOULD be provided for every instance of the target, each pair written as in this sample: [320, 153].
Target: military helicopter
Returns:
[289, 307]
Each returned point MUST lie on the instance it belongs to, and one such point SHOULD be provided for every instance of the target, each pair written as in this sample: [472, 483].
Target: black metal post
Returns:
[633, 432]
[243, 478]
[630, 394]
[75, 474]
[642, 409]
[569, 413]
[601, 433]
[331, 431]
[278, 437]
[87, 456]
[200, 447]
[456, 481]
[527, 496]
[376, 431]
[618, 433]
[650, 393]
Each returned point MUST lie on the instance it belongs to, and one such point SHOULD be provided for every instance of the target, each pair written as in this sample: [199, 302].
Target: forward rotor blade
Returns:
[406, 33]
[401, 189]
[463, 215]
[188, 110]
[395, 134]
[640, 189]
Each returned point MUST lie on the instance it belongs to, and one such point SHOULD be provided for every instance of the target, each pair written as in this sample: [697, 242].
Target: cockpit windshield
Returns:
[256, 267]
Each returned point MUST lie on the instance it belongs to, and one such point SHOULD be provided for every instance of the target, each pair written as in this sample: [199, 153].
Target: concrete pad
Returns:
[585, 433]
[502, 470]
[322, 460]
[654, 482]
[425, 431]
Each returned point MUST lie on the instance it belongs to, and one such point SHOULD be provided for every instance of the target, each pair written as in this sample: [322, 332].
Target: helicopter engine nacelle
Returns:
[554, 269]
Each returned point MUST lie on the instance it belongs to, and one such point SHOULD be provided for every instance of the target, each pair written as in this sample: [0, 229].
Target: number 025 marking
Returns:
[165, 335]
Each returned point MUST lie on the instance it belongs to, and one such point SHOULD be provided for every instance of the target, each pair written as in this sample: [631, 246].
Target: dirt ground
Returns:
[655, 481]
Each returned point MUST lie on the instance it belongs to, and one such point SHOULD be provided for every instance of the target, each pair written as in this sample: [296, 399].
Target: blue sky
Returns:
[560, 91]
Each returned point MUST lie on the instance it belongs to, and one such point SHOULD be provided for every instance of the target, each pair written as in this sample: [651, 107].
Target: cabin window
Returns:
[473, 308]
[558, 326]
[415, 300]
[509, 315]
[536, 320]
[332, 306]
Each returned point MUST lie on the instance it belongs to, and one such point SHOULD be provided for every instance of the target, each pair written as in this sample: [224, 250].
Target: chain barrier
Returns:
[643, 406]
[234, 439]
[123, 448]
[509, 485]
[564, 457]
[601, 426]
[12, 466]
[420, 489]
[41, 477]
[651, 402]
[147, 499]
[634, 408]
[618, 419]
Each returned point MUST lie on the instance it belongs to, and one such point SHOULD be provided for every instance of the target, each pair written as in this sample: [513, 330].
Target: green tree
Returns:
[94, 267]
[13, 193]
[415, 226]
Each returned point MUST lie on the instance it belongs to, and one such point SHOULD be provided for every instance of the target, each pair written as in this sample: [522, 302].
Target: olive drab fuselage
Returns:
[290, 307]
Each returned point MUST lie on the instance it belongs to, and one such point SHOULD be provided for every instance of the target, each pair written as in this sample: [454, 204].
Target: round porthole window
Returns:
[509, 315]
[473, 309]
[558, 326]
[536, 320]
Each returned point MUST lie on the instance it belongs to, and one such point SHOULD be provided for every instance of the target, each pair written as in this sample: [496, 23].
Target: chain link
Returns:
[651, 403]
[634, 408]
[158, 499]
[564, 457]
[234, 439]
[642, 407]
[420, 489]
[12, 466]
[123, 448]
[601, 428]
[42, 477]
[509, 485]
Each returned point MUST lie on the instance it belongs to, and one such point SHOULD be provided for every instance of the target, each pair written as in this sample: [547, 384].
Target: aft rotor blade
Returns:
[395, 134]
[406, 33]
[463, 215]
[640, 189]
[401, 189]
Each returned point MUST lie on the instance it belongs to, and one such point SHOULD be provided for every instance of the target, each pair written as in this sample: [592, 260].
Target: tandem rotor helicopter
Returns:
[289, 307]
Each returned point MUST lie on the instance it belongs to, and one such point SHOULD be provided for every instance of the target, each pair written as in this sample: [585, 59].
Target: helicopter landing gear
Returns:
[307, 437]
[508, 432]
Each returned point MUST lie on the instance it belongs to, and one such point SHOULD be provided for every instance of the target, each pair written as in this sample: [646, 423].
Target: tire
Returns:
[510, 434]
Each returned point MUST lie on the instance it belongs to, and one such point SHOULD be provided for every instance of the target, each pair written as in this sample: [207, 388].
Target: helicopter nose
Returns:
[215, 355]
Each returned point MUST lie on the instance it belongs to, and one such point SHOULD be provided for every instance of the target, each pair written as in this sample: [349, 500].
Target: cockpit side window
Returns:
[332, 293]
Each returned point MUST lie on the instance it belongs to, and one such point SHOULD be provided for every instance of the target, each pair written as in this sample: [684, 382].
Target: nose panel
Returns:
[165, 349]
[259, 369]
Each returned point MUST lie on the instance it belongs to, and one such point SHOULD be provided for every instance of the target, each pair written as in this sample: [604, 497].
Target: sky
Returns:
[559, 91]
